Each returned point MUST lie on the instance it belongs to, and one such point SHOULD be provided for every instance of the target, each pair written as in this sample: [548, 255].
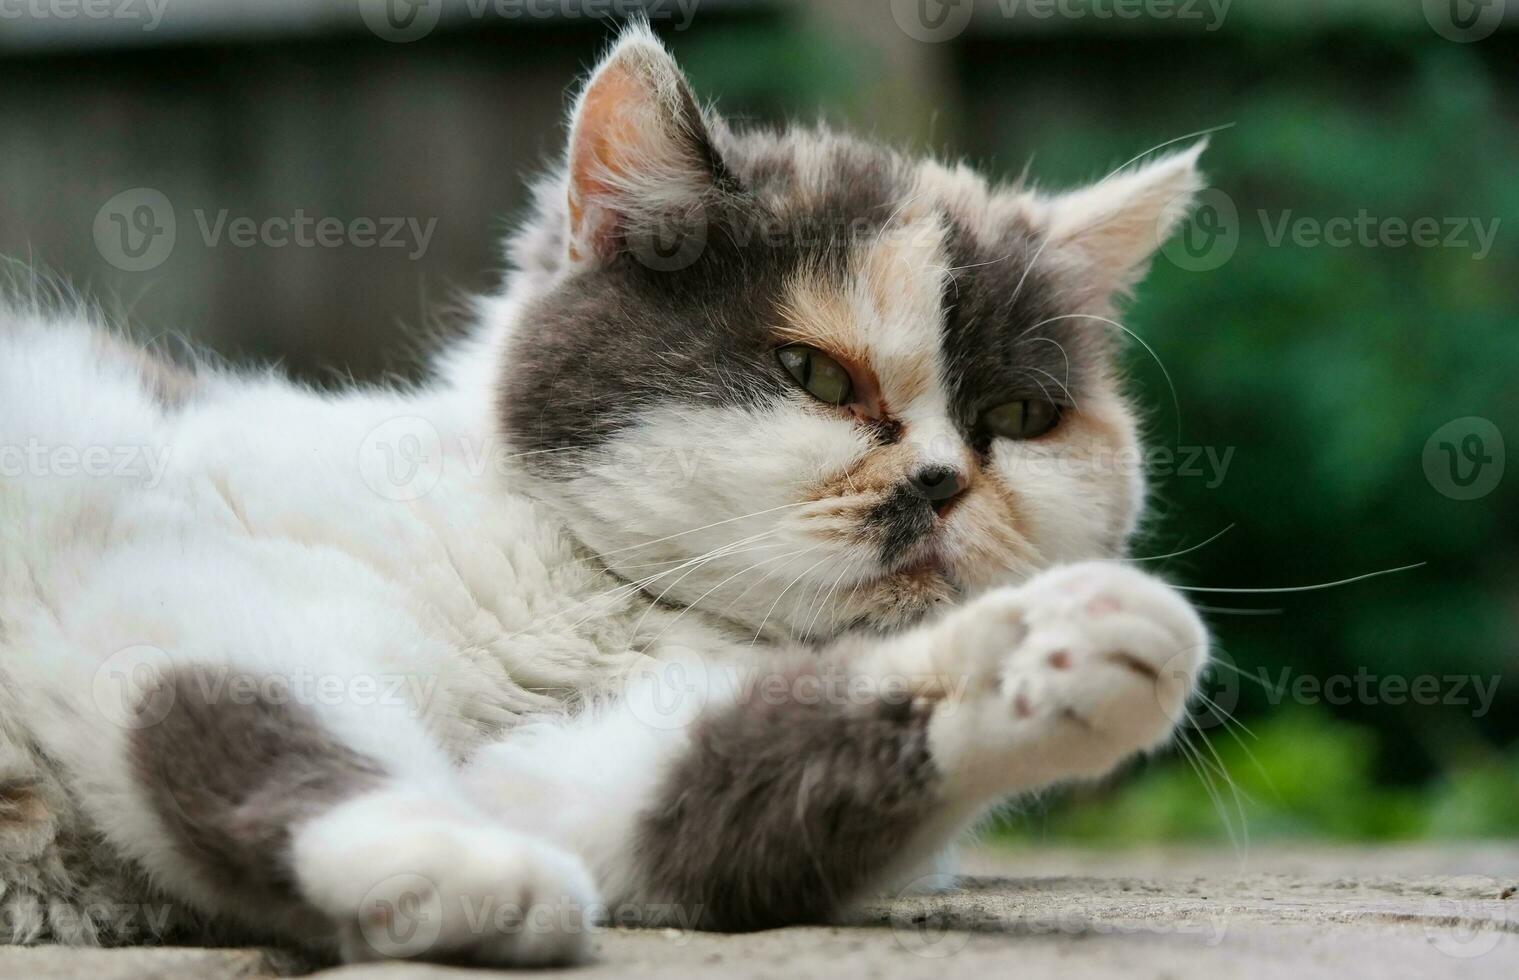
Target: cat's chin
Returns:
[904, 597]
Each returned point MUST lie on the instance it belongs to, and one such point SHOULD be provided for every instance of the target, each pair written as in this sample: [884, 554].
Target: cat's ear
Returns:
[1111, 229]
[639, 148]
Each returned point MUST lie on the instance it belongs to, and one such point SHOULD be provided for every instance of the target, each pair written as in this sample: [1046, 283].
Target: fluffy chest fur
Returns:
[390, 517]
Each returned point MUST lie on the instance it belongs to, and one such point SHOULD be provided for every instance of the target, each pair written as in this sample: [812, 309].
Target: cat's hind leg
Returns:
[273, 807]
[266, 732]
[781, 797]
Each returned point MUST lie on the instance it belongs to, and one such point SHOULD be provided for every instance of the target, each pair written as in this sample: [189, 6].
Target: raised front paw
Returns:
[1067, 675]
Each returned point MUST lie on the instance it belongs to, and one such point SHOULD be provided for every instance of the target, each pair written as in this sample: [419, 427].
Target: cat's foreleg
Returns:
[746, 801]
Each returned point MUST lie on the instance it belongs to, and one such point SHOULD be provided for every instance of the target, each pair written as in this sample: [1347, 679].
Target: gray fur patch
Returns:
[231, 778]
[1008, 334]
[608, 343]
[615, 340]
[785, 809]
[900, 522]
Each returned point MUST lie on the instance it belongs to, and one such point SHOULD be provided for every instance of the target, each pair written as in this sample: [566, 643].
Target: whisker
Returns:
[815, 604]
[778, 598]
[1070, 397]
[1058, 346]
[1026, 270]
[1205, 776]
[886, 225]
[1224, 715]
[1308, 588]
[1186, 551]
[979, 265]
[723, 553]
[848, 567]
[1018, 289]
[1233, 611]
[704, 527]
[1248, 677]
[1234, 789]
[1175, 399]
[1161, 146]
[540, 452]
[627, 589]
[704, 595]
[1044, 391]
[765, 578]
[833, 623]
[674, 561]
[1230, 723]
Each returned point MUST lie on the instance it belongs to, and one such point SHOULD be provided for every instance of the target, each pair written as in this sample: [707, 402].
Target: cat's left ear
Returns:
[1111, 229]
[639, 149]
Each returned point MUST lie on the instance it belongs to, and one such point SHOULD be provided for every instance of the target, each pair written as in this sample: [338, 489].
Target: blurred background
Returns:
[1340, 322]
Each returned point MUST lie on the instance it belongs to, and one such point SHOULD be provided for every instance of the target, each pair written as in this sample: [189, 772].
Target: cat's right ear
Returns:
[639, 150]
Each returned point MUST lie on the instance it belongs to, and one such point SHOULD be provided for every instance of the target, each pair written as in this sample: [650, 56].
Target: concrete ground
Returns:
[1295, 912]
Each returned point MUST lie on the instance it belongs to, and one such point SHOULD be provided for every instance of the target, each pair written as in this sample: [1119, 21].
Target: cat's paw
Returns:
[1066, 676]
[402, 883]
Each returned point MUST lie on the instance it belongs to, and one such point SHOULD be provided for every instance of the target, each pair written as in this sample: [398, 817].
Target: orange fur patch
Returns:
[817, 314]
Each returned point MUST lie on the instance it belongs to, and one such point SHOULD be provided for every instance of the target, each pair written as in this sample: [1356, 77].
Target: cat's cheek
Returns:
[1077, 494]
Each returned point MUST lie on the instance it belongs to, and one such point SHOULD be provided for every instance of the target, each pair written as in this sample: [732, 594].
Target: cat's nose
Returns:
[939, 485]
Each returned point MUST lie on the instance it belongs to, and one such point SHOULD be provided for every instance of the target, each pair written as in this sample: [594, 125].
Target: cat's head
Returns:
[795, 378]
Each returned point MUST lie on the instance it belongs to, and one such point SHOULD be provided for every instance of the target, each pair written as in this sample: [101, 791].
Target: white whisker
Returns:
[1175, 400]
[1185, 551]
[778, 598]
[1161, 146]
[692, 605]
[1309, 588]
[704, 527]
[1235, 611]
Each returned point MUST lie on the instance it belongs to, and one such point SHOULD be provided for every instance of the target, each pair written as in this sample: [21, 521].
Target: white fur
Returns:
[406, 874]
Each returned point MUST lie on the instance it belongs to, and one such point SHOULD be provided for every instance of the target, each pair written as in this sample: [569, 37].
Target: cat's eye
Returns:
[1026, 419]
[819, 375]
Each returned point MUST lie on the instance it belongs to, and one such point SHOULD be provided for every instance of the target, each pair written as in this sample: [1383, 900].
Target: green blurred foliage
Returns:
[1327, 369]
[1300, 773]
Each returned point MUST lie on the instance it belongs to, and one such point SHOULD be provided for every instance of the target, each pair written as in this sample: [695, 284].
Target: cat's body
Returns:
[611, 617]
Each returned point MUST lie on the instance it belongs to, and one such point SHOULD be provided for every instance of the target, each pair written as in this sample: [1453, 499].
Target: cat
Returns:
[762, 536]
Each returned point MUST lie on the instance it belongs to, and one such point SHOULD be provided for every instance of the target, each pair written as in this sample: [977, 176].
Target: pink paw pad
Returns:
[1103, 605]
